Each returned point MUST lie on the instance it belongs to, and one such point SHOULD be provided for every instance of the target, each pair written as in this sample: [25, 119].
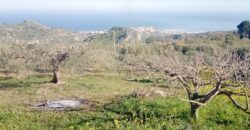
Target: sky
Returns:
[126, 5]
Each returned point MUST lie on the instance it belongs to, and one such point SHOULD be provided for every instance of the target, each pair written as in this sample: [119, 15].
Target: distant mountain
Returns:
[32, 32]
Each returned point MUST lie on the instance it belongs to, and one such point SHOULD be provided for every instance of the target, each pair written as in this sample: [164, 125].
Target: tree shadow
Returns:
[10, 82]
[5, 78]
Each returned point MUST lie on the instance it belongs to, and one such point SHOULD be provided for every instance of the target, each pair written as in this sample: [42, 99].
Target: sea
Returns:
[96, 21]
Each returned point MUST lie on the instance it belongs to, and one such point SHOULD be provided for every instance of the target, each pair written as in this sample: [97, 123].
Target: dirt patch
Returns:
[61, 105]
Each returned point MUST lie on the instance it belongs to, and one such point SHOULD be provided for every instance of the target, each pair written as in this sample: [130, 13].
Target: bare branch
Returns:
[246, 96]
[229, 95]
[193, 101]
[185, 84]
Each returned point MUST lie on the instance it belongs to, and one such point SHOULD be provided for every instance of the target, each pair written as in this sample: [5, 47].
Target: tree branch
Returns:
[192, 101]
[229, 95]
[186, 86]
[210, 95]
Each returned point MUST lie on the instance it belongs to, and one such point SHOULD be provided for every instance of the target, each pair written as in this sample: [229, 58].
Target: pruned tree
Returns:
[75, 51]
[225, 74]
[56, 62]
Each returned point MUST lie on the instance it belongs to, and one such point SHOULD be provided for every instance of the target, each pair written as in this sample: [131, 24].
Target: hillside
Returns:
[32, 32]
[134, 35]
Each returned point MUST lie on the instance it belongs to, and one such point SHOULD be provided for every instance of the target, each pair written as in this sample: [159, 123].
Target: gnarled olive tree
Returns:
[225, 74]
[56, 61]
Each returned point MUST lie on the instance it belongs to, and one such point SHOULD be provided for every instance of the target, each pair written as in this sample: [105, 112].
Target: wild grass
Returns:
[96, 72]
[114, 108]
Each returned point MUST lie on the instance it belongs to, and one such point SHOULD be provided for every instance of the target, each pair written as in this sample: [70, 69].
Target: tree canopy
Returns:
[244, 29]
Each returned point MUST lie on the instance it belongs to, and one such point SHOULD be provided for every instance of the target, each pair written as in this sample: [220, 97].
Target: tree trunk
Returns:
[241, 36]
[194, 110]
[56, 77]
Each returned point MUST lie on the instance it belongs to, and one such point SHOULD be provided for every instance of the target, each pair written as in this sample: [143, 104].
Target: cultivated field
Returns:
[187, 81]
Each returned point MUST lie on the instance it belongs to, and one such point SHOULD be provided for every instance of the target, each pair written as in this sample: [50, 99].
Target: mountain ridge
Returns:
[34, 32]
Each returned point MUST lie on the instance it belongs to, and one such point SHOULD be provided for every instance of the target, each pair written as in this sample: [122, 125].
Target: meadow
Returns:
[111, 107]
[102, 74]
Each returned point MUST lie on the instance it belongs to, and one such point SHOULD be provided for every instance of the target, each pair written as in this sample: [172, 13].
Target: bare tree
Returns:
[225, 74]
[25, 59]
[56, 61]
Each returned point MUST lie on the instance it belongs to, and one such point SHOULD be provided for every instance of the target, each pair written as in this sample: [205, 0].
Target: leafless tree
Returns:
[225, 74]
[56, 61]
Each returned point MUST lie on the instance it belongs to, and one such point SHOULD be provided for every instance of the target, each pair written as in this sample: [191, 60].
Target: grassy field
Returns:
[110, 107]
[106, 75]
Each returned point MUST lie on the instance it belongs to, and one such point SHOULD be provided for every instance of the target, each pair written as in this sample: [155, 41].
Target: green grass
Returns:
[114, 108]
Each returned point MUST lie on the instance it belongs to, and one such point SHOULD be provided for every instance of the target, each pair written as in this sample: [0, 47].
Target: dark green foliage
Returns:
[150, 40]
[244, 29]
[249, 34]
[177, 37]
[193, 48]
[118, 33]
[184, 50]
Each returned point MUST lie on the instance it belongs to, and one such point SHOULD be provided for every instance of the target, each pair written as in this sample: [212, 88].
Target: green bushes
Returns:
[191, 49]
[149, 113]
[143, 111]
[171, 113]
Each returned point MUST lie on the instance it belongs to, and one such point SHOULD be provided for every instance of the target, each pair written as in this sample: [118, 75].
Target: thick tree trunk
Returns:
[194, 110]
[56, 77]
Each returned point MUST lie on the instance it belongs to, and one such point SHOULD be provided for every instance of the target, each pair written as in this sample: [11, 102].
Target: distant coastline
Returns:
[190, 22]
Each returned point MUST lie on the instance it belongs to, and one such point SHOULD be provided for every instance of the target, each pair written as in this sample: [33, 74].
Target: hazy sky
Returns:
[125, 5]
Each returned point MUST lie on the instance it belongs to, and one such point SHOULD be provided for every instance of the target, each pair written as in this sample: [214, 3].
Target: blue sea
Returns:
[87, 21]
